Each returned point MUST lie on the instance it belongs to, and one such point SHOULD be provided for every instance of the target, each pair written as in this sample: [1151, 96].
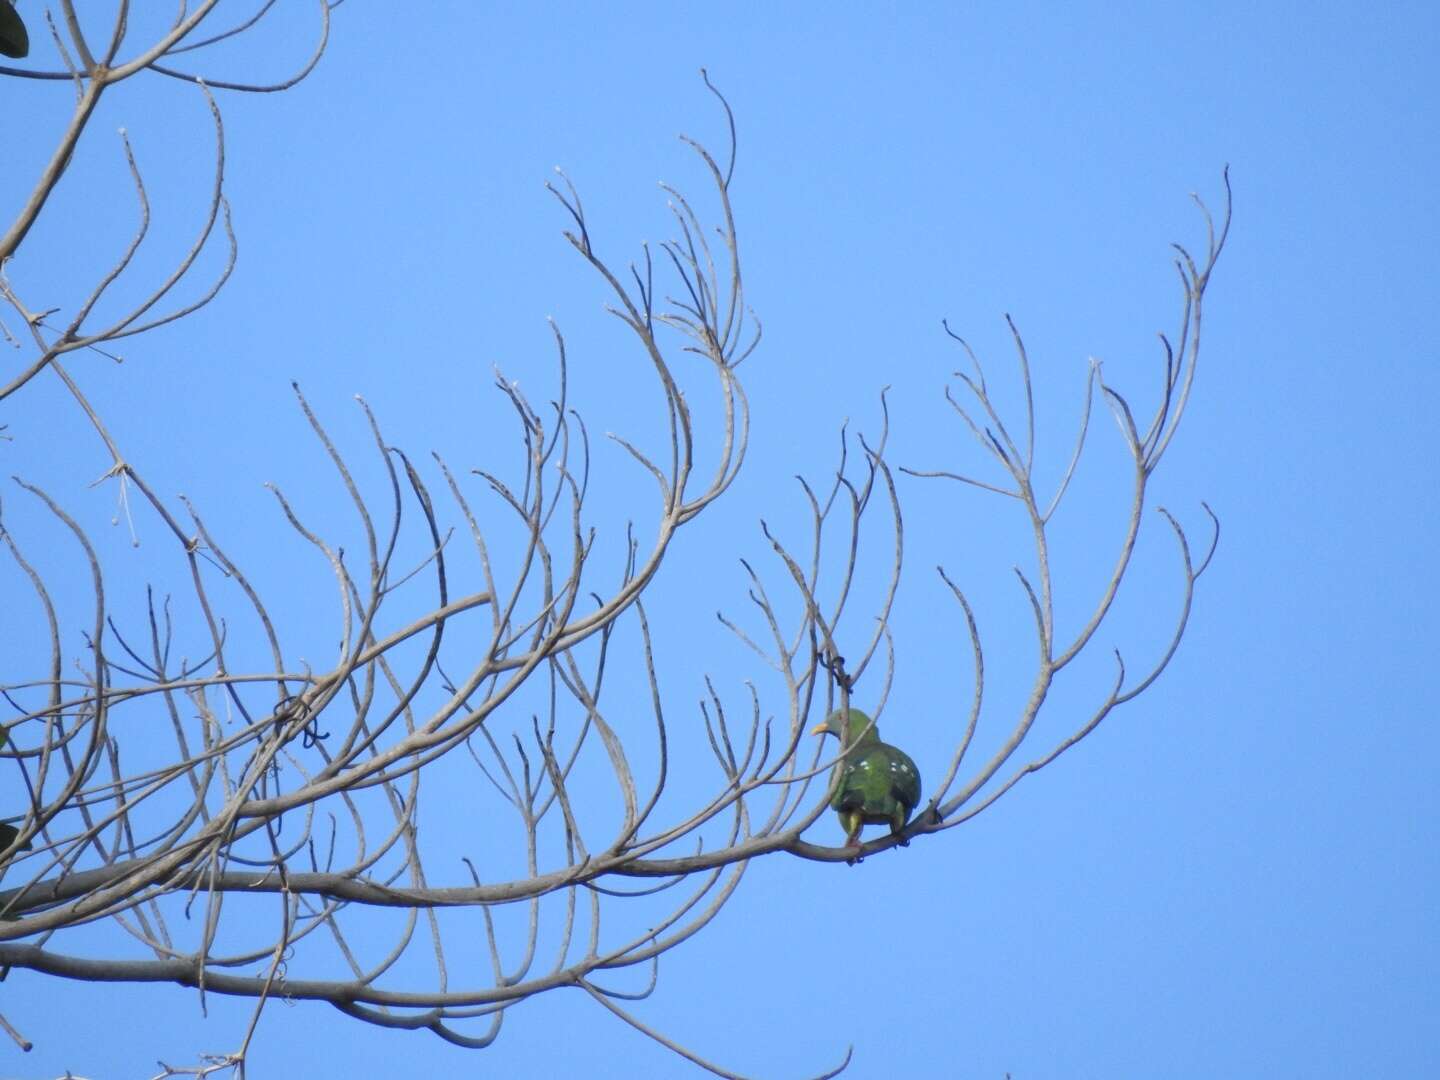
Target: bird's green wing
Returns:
[881, 782]
[14, 41]
[906, 778]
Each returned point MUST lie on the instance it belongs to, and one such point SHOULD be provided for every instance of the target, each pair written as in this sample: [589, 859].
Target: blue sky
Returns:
[1234, 876]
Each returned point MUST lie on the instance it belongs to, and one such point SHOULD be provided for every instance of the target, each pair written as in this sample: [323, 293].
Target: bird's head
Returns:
[856, 728]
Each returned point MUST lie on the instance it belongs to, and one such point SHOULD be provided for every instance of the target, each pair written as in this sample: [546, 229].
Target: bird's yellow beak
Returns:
[820, 728]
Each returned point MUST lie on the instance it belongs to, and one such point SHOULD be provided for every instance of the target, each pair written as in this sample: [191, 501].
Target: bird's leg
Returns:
[897, 830]
[853, 822]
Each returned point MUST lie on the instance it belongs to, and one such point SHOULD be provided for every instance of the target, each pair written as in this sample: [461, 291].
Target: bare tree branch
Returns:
[263, 829]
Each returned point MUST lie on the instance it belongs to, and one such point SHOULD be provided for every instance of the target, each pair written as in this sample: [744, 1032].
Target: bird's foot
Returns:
[853, 853]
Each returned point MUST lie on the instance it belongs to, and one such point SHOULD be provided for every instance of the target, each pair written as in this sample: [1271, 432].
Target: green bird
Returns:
[879, 784]
[14, 41]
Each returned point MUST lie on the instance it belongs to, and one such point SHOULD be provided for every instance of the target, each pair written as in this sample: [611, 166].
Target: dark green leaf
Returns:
[14, 41]
[7, 837]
